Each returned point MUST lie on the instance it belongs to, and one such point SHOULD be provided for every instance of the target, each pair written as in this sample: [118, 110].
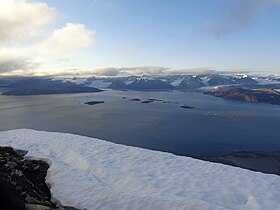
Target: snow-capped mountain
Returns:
[168, 82]
[216, 79]
[149, 84]
[190, 82]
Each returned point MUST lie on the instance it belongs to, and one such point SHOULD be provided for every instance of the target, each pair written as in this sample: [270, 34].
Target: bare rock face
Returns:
[23, 181]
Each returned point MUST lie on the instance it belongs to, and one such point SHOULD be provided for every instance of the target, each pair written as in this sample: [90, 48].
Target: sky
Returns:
[118, 37]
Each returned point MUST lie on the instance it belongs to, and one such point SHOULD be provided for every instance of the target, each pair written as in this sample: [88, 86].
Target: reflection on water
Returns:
[214, 127]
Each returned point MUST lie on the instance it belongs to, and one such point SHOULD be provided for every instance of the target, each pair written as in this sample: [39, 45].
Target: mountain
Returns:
[40, 85]
[216, 79]
[245, 80]
[149, 84]
[118, 85]
[190, 82]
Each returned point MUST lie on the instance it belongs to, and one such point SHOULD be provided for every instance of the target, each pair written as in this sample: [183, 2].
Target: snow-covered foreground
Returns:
[95, 174]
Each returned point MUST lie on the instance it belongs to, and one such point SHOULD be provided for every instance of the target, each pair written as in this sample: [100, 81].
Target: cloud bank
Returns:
[125, 71]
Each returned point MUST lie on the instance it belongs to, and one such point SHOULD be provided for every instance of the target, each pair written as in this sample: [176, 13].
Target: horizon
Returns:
[117, 38]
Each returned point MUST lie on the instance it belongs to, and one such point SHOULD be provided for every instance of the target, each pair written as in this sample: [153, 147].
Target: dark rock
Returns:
[22, 182]
[25, 183]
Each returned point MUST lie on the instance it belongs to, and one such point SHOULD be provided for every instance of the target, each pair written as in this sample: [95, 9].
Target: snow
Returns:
[129, 82]
[241, 76]
[99, 84]
[205, 80]
[96, 174]
[177, 82]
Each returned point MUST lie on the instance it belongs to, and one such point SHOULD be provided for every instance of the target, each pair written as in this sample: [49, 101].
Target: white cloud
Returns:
[24, 30]
[23, 19]
[71, 37]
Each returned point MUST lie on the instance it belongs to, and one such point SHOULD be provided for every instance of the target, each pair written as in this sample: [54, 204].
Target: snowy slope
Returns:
[95, 174]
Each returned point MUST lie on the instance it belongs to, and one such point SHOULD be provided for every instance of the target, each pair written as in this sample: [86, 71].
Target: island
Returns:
[187, 107]
[259, 95]
[94, 102]
[135, 99]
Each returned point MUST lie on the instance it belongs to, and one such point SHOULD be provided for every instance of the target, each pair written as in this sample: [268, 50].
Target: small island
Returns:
[146, 102]
[135, 99]
[94, 102]
[187, 107]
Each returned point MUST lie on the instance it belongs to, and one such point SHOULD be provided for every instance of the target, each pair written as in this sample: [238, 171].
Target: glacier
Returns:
[96, 174]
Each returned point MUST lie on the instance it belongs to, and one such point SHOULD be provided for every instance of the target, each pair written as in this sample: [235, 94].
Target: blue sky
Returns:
[179, 34]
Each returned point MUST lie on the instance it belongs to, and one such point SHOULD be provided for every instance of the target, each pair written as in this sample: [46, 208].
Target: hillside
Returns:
[260, 95]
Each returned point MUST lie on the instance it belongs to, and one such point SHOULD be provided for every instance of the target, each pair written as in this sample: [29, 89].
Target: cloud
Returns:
[237, 16]
[23, 19]
[104, 72]
[24, 30]
[71, 37]
[143, 70]
[204, 71]
[122, 71]
[11, 62]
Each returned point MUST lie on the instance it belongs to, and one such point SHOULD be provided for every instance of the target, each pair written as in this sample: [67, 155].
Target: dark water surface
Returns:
[214, 127]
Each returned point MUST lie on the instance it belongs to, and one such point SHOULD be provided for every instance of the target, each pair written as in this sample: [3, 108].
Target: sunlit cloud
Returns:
[23, 20]
[24, 31]
[71, 37]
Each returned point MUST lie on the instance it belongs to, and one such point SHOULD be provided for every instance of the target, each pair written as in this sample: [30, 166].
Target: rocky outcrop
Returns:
[22, 182]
